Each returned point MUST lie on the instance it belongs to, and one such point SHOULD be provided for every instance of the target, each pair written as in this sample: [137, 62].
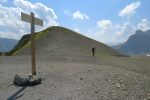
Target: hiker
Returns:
[93, 51]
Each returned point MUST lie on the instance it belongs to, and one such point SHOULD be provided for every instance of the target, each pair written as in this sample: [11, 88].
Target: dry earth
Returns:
[78, 78]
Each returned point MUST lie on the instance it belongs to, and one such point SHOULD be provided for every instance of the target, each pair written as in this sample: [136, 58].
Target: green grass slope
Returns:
[23, 41]
[61, 41]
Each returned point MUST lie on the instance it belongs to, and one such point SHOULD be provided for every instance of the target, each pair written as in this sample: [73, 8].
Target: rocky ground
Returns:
[78, 78]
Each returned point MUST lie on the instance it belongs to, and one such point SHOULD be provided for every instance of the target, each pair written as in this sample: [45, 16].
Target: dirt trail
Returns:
[70, 78]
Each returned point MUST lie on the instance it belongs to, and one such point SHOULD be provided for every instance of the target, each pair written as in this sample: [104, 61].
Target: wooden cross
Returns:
[33, 21]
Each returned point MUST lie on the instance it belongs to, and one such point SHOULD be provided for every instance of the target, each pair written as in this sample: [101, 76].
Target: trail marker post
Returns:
[33, 21]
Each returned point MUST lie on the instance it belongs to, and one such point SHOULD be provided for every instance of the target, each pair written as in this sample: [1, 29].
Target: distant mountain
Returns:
[137, 44]
[7, 44]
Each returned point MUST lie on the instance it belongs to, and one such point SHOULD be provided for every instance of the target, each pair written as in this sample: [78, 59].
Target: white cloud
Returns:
[144, 25]
[11, 25]
[104, 24]
[129, 10]
[67, 12]
[103, 31]
[110, 33]
[79, 15]
[77, 30]
[126, 30]
[47, 14]
[113, 34]
[3, 1]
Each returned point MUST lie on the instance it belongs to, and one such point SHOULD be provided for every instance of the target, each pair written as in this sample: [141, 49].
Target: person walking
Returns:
[93, 51]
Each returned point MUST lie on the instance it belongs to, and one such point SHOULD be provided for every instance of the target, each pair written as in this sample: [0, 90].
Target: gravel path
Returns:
[73, 79]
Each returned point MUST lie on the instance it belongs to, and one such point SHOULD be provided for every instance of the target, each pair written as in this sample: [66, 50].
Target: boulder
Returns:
[20, 81]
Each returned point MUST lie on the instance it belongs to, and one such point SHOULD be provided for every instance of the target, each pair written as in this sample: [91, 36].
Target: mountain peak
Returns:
[148, 31]
[139, 32]
[138, 43]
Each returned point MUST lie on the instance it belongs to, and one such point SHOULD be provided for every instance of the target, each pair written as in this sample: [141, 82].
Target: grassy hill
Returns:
[61, 41]
[23, 41]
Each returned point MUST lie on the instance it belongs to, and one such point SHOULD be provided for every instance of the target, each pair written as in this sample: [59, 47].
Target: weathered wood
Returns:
[33, 45]
[34, 21]
[28, 18]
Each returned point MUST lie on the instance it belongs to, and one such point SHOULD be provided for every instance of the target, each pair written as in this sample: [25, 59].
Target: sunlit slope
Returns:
[61, 41]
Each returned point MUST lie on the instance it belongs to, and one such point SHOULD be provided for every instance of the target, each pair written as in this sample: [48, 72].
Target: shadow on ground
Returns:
[16, 95]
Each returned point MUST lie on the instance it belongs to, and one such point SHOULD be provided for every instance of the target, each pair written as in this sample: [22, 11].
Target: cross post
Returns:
[33, 21]
[33, 44]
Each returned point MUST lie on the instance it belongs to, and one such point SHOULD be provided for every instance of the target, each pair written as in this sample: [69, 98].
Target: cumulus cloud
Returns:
[103, 31]
[112, 34]
[77, 30]
[42, 11]
[11, 25]
[79, 15]
[126, 30]
[67, 12]
[144, 25]
[130, 10]
[104, 24]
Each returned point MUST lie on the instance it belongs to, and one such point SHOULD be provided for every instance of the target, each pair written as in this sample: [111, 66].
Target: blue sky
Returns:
[108, 21]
